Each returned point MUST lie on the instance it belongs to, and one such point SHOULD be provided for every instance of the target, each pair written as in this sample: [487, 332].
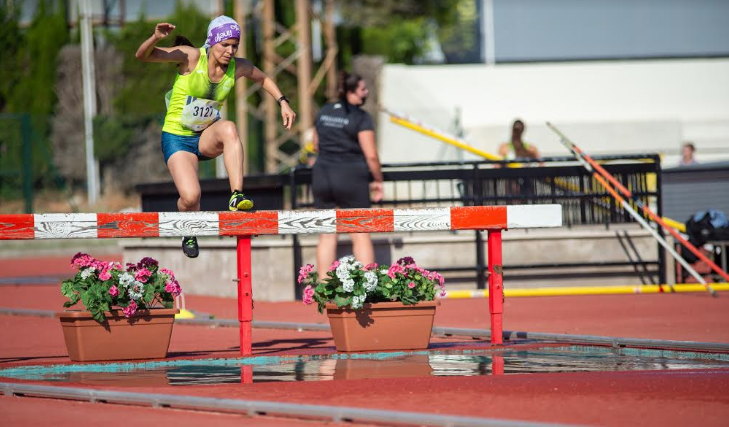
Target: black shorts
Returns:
[341, 185]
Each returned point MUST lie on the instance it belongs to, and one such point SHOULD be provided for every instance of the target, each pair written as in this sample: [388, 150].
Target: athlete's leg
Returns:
[362, 247]
[326, 253]
[183, 168]
[222, 138]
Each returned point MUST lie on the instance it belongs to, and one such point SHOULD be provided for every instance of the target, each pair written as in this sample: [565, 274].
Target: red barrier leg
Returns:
[497, 365]
[496, 288]
[245, 294]
[246, 374]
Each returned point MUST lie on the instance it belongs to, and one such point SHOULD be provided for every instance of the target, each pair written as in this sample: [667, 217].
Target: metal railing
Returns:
[551, 180]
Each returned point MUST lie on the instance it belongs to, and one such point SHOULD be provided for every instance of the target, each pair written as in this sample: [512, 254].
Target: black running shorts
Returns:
[341, 185]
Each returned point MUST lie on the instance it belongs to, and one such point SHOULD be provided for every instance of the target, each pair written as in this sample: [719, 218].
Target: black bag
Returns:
[705, 226]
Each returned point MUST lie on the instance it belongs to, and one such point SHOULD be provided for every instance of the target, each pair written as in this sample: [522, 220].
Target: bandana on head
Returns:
[222, 28]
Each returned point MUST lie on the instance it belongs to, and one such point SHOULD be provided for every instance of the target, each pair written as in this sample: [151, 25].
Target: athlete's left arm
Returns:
[245, 68]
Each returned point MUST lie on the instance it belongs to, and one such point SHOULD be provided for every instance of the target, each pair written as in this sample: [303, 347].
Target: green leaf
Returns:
[67, 288]
[149, 294]
[98, 315]
[341, 301]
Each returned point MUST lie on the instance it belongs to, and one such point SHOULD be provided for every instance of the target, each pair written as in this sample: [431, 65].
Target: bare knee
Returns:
[228, 132]
[189, 200]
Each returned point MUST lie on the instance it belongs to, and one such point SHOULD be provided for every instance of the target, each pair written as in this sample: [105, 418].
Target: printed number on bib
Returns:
[199, 113]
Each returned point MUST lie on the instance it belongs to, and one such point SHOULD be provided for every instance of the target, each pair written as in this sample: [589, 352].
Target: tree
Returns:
[399, 30]
[28, 68]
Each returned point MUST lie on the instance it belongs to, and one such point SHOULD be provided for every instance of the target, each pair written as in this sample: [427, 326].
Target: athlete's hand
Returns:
[287, 114]
[162, 30]
[376, 191]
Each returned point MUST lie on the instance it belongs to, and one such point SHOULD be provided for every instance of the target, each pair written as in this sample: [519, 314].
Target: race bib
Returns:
[199, 113]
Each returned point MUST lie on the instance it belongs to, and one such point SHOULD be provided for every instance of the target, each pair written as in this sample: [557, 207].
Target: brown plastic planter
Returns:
[146, 335]
[382, 326]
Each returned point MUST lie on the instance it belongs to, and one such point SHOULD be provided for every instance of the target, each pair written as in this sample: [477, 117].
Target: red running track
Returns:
[647, 398]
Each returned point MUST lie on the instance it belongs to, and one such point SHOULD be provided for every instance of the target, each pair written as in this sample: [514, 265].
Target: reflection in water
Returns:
[378, 365]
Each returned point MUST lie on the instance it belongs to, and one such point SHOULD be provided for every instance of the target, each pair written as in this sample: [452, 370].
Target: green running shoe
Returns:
[190, 247]
[239, 202]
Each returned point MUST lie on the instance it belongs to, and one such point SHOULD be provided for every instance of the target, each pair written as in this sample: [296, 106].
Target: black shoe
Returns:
[189, 247]
[239, 202]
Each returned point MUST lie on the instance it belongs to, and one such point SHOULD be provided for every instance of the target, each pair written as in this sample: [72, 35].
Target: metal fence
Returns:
[552, 180]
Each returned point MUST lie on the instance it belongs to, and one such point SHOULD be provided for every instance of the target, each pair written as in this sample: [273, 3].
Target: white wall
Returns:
[610, 107]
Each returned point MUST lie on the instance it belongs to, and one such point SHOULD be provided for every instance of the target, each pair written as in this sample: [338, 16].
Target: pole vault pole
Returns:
[640, 204]
[594, 168]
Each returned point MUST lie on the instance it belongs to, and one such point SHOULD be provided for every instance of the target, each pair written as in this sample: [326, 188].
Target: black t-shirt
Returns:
[337, 126]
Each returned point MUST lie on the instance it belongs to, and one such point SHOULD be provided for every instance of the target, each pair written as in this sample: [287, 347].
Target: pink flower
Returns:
[114, 291]
[334, 266]
[131, 267]
[105, 275]
[130, 309]
[394, 269]
[371, 266]
[304, 271]
[443, 293]
[411, 285]
[143, 274]
[308, 296]
[81, 260]
[167, 272]
[173, 287]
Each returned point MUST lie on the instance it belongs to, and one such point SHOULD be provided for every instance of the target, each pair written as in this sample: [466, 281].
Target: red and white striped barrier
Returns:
[247, 224]
[171, 224]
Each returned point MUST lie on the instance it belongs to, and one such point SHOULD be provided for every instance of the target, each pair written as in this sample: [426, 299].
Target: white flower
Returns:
[348, 285]
[358, 301]
[371, 278]
[87, 272]
[347, 259]
[136, 291]
[342, 272]
[126, 279]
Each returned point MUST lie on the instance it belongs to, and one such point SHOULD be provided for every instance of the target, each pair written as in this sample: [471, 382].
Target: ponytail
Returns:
[347, 83]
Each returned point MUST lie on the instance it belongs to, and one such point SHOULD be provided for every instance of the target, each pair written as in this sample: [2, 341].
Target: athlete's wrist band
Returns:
[282, 99]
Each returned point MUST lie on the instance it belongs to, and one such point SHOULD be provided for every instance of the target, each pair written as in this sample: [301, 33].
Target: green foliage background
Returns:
[28, 70]
[399, 30]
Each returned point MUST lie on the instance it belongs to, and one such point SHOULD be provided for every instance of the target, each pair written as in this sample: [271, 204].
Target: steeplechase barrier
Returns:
[245, 225]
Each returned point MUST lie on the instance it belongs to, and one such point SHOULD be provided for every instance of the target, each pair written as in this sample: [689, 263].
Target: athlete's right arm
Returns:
[149, 52]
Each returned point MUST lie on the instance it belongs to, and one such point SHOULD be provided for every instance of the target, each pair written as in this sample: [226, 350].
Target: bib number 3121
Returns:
[199, 113]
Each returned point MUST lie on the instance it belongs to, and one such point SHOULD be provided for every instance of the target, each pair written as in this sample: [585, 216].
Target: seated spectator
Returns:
[687, 154]
[517, 148]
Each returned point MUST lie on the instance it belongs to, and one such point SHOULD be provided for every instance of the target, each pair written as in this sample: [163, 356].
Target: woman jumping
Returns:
[193, 129]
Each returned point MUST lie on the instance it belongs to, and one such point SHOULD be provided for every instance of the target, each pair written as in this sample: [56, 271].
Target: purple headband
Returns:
[223, 32]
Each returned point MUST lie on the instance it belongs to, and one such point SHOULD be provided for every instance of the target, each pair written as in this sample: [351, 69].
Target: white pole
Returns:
[488, 32]
[89, 85]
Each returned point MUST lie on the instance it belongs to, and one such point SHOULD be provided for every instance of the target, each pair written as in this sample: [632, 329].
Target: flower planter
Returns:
[382, 326]
[145, 335]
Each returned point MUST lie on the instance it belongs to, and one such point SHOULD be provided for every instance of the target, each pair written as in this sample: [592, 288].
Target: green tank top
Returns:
[194, 102]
